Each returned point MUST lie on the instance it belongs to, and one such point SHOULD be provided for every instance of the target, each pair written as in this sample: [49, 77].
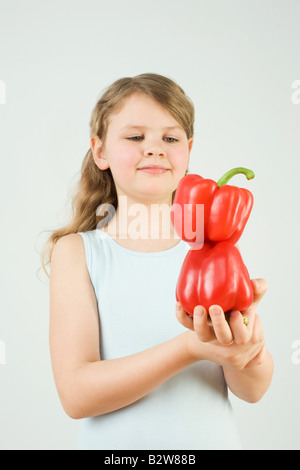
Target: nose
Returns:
[154, 151]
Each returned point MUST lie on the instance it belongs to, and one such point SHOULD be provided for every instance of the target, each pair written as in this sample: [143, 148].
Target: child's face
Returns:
[143, 134]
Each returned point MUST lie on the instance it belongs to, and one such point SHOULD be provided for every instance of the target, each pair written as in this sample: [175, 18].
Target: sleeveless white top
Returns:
[135, 292]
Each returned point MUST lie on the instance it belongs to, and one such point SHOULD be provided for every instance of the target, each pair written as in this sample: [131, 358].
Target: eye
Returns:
[135, 138]
[171, 140]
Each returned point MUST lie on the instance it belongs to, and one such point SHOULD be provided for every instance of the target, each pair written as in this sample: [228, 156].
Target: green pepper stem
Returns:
[235, 171]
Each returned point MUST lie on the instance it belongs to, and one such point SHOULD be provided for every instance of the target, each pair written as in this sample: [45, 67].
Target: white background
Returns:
[237, 60]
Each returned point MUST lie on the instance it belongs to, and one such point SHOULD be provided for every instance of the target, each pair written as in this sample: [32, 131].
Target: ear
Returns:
[98, 153]
[190, 149]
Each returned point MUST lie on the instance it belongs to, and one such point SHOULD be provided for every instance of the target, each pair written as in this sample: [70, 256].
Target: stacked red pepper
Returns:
[213, 272]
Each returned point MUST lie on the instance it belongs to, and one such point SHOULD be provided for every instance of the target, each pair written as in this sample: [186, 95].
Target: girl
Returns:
[136, 376]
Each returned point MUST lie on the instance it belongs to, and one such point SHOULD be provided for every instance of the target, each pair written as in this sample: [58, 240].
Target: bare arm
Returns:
[87, 385]
[104, 386]
[252, 382]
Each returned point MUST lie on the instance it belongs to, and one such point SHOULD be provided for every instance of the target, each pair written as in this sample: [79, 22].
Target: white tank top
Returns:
[135, 292]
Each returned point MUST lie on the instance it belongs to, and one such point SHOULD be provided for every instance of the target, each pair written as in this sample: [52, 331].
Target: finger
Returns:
[260, 287]
[183, 317]
[258, 332]
[220, 325]
[241, 332]
[201, 326]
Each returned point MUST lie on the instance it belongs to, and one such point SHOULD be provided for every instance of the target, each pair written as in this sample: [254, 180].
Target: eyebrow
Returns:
[168, 128]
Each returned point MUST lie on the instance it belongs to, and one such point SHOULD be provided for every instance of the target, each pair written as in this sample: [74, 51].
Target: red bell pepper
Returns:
[214, 275]
[226, 208]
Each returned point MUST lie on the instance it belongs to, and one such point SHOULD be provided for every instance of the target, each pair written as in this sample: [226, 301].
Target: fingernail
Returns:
[199, 310]
[261, 284]
[178, 306]
[215, 310]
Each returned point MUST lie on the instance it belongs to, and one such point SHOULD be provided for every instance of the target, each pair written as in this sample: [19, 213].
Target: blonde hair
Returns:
[96, 186]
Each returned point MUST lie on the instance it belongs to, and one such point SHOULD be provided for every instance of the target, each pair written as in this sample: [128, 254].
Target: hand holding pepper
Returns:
[229, 344]
[239, 349]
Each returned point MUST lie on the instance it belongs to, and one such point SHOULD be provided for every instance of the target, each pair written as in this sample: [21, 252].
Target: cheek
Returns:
[124, 160]
[180, 159]
[128, 161]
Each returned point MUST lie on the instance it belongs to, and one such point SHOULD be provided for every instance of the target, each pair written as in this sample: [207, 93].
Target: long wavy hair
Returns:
[96, 187]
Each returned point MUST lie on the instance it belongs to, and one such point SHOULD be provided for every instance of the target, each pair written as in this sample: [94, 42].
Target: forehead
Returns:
[142, 110]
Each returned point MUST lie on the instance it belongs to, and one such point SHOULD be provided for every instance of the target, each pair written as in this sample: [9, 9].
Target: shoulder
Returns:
[69, 276]
[68, 251]
[68, 244]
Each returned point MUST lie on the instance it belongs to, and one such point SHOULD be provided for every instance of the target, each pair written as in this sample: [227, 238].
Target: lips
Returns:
[154, 169]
